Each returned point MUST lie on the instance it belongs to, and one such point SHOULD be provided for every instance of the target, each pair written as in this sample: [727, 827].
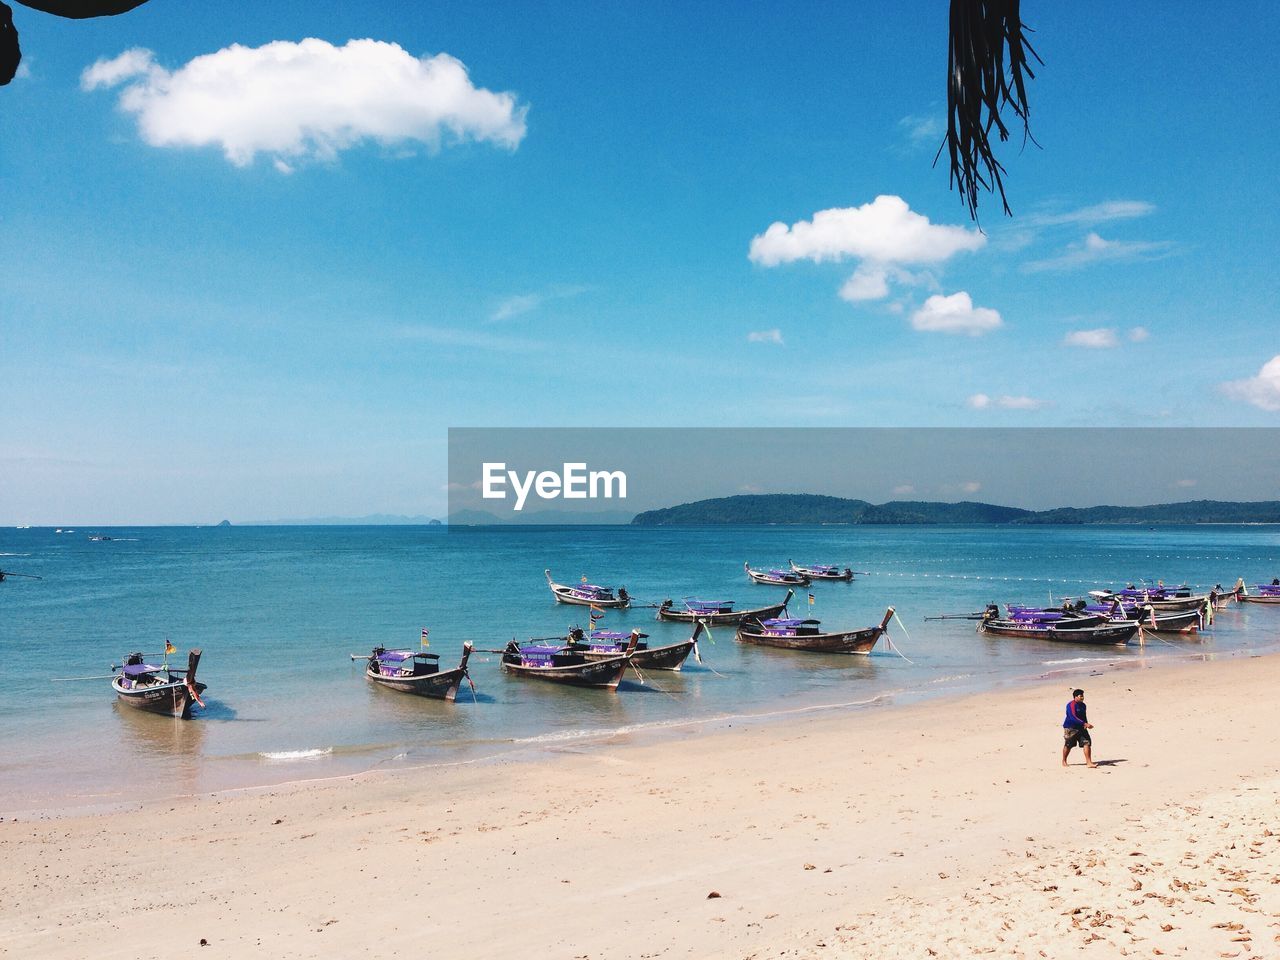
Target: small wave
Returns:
[957, 676]
[287, 755]
[1055, 663]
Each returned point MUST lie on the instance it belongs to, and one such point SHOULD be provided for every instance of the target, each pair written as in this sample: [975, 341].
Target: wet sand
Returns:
[946, 828]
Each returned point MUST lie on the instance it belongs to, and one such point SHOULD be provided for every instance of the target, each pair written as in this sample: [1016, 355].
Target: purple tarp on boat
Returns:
[141, 669]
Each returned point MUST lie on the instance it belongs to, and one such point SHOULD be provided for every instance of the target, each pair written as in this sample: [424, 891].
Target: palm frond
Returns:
[988, 66]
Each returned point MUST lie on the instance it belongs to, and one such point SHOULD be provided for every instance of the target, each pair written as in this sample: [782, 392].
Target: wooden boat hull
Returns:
[850, 641]
[1114, 635]
[1178, 603]
[795, 580]
[723, 619]
[670, 657]
[168, 699]
[1258, 598]
[605, 673]
[846, 576]
[1186, 621]
[442, 685]
[562, 596]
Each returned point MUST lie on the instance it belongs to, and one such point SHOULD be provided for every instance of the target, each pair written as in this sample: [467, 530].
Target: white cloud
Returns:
[1094, 249]
[1262, 391]
[1098, 213]
[903, 489]
[1185, 483]
[1138, 334]
[1098, 339]
[973, 486]
[765, 336]
[514, 306]
[307, 100]
[523, 303]
[884, 231]
[921, 130]
[869, 282]
[981, 401]
[955, 314]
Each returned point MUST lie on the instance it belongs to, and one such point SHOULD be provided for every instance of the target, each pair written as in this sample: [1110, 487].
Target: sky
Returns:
[256, 259]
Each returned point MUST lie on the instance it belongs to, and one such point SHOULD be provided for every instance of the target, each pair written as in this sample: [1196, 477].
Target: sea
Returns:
[279, 611]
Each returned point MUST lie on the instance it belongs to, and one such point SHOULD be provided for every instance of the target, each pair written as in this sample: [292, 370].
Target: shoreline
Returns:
[539, 748]
[801, 827]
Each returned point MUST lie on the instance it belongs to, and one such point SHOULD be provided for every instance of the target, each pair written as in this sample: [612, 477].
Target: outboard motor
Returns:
[623, 595]
[992, 612]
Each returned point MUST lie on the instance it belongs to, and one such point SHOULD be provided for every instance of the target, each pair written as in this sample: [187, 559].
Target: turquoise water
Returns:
[278, 611]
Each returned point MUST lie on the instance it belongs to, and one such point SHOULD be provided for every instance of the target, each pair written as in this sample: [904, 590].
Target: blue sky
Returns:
[201, 317]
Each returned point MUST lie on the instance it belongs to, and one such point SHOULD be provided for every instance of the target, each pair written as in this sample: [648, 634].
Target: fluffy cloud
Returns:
[981, 401]
[883, 231]
[765, 336]
[1098, 339]
[955, 314]
[1103, 338]
[973, 486]
[1262, 391]
[305, 100]
[1094, 249]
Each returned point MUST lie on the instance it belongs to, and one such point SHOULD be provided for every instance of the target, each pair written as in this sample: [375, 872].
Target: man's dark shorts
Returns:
[1076, 737]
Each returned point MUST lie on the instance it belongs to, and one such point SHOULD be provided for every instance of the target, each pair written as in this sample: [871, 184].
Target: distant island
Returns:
[805, 508]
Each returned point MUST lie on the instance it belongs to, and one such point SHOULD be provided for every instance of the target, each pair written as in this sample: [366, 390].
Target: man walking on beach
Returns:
[1075, 729]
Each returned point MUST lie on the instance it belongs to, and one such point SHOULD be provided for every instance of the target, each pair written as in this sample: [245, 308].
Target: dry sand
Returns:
[944, 829]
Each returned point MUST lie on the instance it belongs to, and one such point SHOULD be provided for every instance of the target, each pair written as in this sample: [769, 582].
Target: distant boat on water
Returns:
[159, 688]
[588, 594]
[806, 635]
[776, 577]
[715, 612]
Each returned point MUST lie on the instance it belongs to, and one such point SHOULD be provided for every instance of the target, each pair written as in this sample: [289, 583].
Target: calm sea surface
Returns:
[278, 610]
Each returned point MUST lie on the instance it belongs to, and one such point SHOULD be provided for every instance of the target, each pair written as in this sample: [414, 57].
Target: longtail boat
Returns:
[1064, 629]
[714, 612]
[416, 672]
[1160, 600]
[588, 594]
[158, 688]
[776, 578]
[562, 663]
[806, 635]
[1266, 593]
[1219, 596]
[821, 571]
[1073, 615]
[603, 644]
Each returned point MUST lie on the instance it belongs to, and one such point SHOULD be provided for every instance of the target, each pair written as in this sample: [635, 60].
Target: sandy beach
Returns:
[939, 829]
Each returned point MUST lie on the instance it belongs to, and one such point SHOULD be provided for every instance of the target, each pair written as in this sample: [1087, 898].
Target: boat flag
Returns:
[169, 648]
[811, 599]
[596, 614]
[425, 642]
[584, 578]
